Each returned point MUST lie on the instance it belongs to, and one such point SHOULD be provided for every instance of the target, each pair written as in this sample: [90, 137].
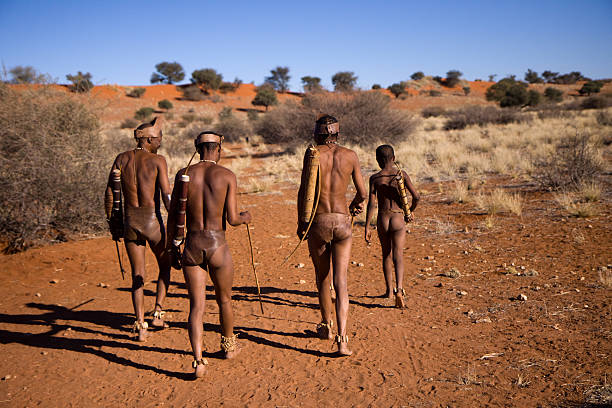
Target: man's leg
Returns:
[341, 253]
[320, 253]
[221, 272]
[136, 255]
[382, 229]
[398, 238]
[163, 281]
[195, 279]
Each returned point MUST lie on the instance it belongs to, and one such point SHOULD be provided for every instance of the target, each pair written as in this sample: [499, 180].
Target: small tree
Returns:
[311, 84]
[165, 104]
[553, 94]
[168, 73]
[136, 92]
[549, 76]
[80, 82]
[397, 89]
[344, 81]
[417, 76]
[492, 77]
[27, 75]
[508, 92]
[533, 98]
[265, 96]
[570, 78]
[590, 87]
[207, 77]
[143, 113]
[376, 87]
[532, 77]
[453, 77]
[466, 90]
[279, 79]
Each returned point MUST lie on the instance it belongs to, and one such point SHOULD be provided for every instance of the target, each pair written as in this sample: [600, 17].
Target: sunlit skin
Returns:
[391, 222]
[211, 202]
[148, 188]
[338, 166]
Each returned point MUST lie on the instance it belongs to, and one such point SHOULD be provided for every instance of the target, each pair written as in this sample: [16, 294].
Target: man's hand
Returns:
[246, 217]
[115, 225]
[176, 258]
[301, 229]
[368, 235]
[356, 208]
[409, 218]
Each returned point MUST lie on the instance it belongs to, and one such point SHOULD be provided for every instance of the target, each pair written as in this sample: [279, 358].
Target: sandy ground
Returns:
[65, 317]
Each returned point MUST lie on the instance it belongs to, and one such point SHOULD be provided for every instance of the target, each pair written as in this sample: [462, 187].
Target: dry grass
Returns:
[500, 201]
[572, 205]
[459, 193]
[590, 192]
[605, 276]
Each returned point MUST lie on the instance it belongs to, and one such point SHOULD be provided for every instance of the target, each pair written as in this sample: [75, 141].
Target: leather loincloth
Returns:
[201, 245]
[329, 227]
[390, 211]
[143, 223]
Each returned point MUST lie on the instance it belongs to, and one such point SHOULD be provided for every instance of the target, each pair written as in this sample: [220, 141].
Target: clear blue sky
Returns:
[383, 42]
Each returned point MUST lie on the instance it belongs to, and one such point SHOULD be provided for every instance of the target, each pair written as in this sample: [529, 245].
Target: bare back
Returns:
[212, 194]
[338, 166]
[143, 177]
[386, 188]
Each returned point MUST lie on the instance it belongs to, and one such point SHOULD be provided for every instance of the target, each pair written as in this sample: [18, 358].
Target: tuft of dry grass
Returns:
[499, 201]
[572, 205]
[459, 194]
[590, 191]
[605, 276]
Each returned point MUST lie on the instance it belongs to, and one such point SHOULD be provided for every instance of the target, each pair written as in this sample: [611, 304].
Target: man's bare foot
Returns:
[230, 347]
[343, 350]
[158, 320]
[200, 367]
[388, 295]
[400, 302]
[324, 330]
[141, 328]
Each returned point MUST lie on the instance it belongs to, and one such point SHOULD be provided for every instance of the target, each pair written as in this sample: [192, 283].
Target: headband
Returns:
[151, 131]
[206, 137]
[329, 129]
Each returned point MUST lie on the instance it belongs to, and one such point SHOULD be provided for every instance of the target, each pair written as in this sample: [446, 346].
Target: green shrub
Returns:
[466, 90]
[452, 78]
[265, 96]
[81, 82]
[129, 123]
[165, 104]
[192, 93]
[227, 87]
[596, 102]
[53, 167]
[136, 92]
[590, 87]
[311, 84]
[279, 79]
[397, 89]
[508, 92]
[534, 98]
[376, 87]
[365, 117]
[417, 76]
[532, 77]
[207, 77]
[143, 113]
[553, 94]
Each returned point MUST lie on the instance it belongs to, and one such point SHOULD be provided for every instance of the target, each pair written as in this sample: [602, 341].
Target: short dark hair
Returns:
[384, 153]
[207, 146]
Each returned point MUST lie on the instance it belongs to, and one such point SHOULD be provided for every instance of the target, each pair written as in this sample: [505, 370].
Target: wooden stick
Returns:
[254, 270]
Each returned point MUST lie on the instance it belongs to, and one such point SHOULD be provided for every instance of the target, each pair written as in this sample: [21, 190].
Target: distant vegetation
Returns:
[279, 79]
[266, 96]
[143, 113]
[27, 75]
[207, 78]
[136, 92]
[311, 84]
[165, 104]
[80, 82]
[168, 73]
[344, 81]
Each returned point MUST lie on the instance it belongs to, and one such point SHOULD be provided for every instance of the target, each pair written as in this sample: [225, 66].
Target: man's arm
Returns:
[231, 203]
[301, 226]
[108, 193]
[356, 206]
[171, 224]
[164, 184]
[370, 209]
[413, 192]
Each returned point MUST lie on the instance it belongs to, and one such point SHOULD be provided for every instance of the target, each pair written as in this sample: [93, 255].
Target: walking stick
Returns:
[119, 258]
[254, 270]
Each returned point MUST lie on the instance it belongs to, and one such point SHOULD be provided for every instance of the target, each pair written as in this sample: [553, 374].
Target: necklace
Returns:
[139, 148]
[208, 161]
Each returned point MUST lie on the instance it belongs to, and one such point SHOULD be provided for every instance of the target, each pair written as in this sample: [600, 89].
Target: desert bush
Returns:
[574, 162]
[207, 77]
[28, 75]
[52, 165]
[417, 76]
[344, 81]
[604, 118]
[553, 94]
[252, 115]
[168, 73]
[466, 90]
[81, 82]
[433, 112]
[265, 96]
[596, 102]
[165, 104]
[508, 92]
[590, 87]
[364, 118]
[481, 116]
[397, 88]
[532, 77]
[452, 78]
[433, 92]
[311, 84]
[143, 113]
[570, 78]
[534, 98]
[227, 87]
[136, 92]
[189, 117]
[376, 87]
[233, 129]
[590, 192]
[225, 113]
[192, 93]
[574, 207]
[129, 123]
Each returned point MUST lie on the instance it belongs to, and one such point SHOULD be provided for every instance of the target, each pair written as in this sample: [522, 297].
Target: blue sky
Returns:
[382, 42]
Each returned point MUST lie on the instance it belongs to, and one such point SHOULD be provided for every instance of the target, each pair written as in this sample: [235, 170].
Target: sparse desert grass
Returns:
[239, 164]
[253, 185]
[499, 201]
[459, 193]
[572, 205]
[590, 191]
[605, 276]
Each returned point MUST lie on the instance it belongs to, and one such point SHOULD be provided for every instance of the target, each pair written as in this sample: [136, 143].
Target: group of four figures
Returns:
[204, 199]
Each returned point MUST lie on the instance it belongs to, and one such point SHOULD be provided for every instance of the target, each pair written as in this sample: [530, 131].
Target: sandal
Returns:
[399, 297]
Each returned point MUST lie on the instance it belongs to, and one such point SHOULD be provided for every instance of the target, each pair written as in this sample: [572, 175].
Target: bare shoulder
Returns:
[345, 151]
[224, 172]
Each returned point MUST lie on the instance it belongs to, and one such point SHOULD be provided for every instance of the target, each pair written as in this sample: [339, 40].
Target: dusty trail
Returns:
[464, 343]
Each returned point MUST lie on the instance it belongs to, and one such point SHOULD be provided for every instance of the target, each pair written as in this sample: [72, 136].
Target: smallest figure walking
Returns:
[389, 186]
